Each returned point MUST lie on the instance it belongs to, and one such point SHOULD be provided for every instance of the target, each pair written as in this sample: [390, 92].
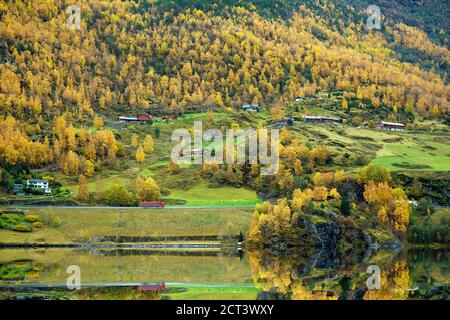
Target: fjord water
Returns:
[413, 274]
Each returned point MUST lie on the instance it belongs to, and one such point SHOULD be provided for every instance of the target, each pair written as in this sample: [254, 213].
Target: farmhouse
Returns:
[124, 119]
[251, 107]
[144, 117]
[320, 119]
[285, 122]
[141, 118]
[40, 184]
[37, 184]
[393, 126]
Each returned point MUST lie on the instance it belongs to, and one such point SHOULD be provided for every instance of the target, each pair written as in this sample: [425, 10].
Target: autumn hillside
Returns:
[162, 57]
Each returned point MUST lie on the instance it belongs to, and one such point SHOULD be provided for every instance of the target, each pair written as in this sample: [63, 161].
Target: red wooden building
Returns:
[152, 204]
[144, 117]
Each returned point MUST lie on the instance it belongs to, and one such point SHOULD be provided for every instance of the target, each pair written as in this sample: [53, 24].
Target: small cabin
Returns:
[251, 107]
[125, 119]
[322, 119]
[393, 126]
[144, 117]
[285, 122]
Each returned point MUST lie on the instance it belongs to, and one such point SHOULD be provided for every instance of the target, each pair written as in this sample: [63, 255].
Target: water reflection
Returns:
[417, 274]
[414, 274]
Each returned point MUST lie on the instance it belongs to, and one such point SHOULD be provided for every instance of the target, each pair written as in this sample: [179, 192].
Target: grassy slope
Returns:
[396, 151]
[186, 185]
[413, 149]
[409, 150]
[82, 224]
[202, 195]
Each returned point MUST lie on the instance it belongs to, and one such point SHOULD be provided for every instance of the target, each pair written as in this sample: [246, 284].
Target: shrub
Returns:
[357, 121]
[165, 191]
[22, 228]
[117, 195]
[35, 191]
[32, 218]
[50, 219]
[37, 224]
[425, 207]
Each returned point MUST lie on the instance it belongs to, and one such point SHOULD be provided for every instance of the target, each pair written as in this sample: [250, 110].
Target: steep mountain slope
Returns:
[166, 56]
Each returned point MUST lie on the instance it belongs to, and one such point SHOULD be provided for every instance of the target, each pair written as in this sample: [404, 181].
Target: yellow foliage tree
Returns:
[83, 192]
[320, 193]
[148, 144]
[301, 198]
[89, 168]
[400, 217]
[335, 194]
[344, 104]
[98, 122]
[277, 113]
[339, 176]
[140, 155]
[147, 189]
[134, 140]
[382, 215]
[71, 164]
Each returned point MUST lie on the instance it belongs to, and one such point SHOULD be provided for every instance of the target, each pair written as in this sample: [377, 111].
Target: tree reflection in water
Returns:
[300, 278]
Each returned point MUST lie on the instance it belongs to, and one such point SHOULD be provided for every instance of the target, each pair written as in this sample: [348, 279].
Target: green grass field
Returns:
[396, 151]
[202, 195]
[81, 224]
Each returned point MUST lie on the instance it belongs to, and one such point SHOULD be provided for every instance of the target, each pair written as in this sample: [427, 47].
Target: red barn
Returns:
[152, 204]
[144, 117]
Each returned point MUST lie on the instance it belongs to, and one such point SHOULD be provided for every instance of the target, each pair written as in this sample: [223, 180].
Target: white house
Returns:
[393, 126]
[40, 184]
[37, 184]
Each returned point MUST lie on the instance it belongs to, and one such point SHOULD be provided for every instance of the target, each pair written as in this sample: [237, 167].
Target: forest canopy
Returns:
[142, 55]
